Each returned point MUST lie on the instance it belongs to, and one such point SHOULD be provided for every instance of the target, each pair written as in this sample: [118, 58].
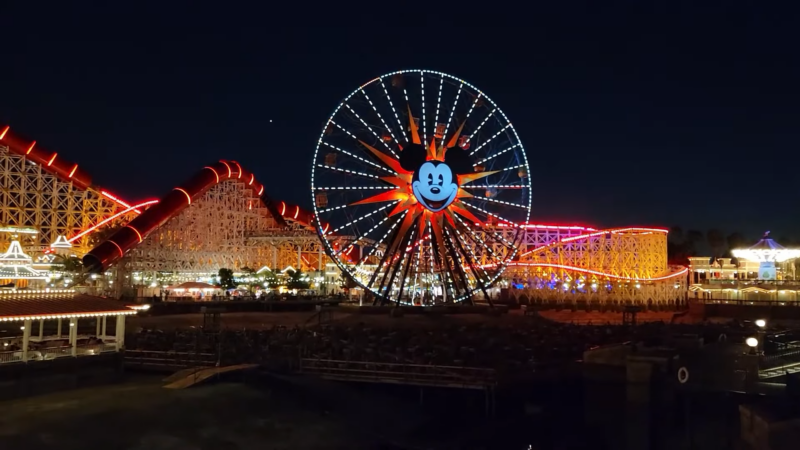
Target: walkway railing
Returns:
[395, 373]
[48, 353]
[168, 360]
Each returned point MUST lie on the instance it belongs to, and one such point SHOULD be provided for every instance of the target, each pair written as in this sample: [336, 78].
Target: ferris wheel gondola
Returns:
[409, 172]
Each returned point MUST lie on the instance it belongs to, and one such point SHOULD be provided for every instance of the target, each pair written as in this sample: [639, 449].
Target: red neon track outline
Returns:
[109, 219]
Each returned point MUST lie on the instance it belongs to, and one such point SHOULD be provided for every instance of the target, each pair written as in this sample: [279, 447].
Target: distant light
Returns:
[751, 342]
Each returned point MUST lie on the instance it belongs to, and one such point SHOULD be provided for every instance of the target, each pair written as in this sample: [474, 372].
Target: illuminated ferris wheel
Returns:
[418, 182]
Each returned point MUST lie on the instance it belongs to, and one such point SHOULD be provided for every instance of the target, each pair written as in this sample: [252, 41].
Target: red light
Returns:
[215, 172]
[72, 172]
[49, 163]
[229, 168]
[283, 208]
[137, 232]
[297, 211]
[5, 130]
[240, 169]
[260, 191]
[188, 197]
[121, 253]
[252, 178]
[30, 149]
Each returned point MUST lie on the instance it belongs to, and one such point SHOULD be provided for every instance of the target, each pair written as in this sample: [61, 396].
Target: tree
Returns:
[735, 240]
[716, 240]
[226, 278]
[247, 272]
[676, 235]
[71, 267]
[296, 281]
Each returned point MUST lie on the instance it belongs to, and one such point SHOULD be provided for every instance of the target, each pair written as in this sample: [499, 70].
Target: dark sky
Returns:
[673, 115]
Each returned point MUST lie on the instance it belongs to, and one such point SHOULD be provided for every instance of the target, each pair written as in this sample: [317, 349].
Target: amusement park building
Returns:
[221, 217]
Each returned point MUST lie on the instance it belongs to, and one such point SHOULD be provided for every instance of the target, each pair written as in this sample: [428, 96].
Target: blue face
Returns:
[435, 189]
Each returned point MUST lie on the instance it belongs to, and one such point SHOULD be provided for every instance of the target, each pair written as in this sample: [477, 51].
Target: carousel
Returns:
[764, 271]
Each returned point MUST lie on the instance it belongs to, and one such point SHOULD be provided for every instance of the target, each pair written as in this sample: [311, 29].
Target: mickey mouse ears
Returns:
[414, 155]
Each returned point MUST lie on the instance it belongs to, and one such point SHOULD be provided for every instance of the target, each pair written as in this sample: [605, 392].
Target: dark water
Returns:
[275, 413]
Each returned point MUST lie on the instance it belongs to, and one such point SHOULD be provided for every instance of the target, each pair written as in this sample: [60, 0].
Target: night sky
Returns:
[630, 115]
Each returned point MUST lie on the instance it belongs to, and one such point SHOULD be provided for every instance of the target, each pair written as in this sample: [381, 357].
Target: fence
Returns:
[146, 359]
[395, 373]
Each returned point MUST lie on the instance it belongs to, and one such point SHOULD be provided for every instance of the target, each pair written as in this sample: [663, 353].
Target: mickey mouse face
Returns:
[435, 188]
[435, 183]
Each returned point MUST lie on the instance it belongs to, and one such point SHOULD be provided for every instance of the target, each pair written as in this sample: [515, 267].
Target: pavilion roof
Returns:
[28, 304]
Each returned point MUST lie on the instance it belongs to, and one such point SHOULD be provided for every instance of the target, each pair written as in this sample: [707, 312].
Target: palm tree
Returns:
[716, 240]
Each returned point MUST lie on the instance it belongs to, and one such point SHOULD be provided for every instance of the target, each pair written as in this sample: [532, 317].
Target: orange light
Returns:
[30, 149]
[215, 172]
[297, 211]
[283, 208]
[51, 159]
[327, 225]
[229, 168]
[252, 178]
[72, 172]
[597, 272]
[137, 232]
[260, 191]
[188, 197]
[121, 253]
[250, 204]
[240, 169]
[5, 130]
[105, 221]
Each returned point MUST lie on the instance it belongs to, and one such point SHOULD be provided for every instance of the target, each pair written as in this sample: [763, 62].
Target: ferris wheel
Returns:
[419, 181]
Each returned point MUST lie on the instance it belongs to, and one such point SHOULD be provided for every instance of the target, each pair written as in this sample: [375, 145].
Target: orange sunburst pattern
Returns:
[403, 192]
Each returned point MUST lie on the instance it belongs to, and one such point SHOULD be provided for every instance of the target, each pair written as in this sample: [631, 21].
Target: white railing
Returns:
[48, 353]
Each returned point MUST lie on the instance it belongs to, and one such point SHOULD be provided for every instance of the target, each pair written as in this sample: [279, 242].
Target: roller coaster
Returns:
[221, 217]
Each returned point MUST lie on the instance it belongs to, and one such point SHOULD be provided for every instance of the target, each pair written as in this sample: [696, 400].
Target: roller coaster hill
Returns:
[223, 218]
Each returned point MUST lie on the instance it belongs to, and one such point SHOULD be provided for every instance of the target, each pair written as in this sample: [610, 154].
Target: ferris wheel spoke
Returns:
[495, 186]
[501, 202]
[438, 103]
[352, 222]
[495, 155]
[356, 138]
[458, 264]
[424, 126]
[349, 172]
[452, 111]
[353, 188]
[473, 264]
[486, 142]
[327, 144]
[364, 236]
[394, 111]
[483, 122]
[371, 130]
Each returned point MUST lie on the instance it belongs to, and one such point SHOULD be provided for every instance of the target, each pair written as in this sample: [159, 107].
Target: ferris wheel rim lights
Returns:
[495, 112]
